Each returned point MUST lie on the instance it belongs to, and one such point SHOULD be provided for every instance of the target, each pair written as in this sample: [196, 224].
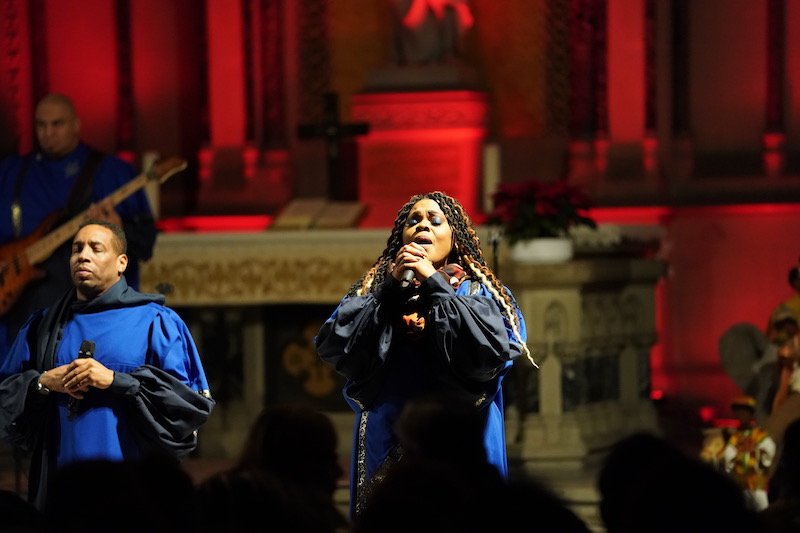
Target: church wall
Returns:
[16, 131]
[793, 83]
[81, 57]
[156, 75]
[626, 63]
[226, 73]
[728, 74]
[725, 265]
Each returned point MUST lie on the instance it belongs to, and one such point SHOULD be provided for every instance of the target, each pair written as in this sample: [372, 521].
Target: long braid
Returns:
[467, 250]
[508, 309]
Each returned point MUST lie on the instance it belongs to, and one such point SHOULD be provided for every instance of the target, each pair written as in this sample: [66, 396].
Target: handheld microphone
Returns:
[86, 350]
[405, 281]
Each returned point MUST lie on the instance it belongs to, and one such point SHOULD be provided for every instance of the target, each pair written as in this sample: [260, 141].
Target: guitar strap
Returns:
[78, 196]
[81, 191]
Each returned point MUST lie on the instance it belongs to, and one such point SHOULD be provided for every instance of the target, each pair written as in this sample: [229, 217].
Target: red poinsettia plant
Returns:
[534, 208]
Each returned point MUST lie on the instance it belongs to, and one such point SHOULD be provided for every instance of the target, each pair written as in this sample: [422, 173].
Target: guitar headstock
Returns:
[163, 169]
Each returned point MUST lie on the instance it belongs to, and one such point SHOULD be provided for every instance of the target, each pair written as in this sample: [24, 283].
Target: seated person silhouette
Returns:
[750, 357]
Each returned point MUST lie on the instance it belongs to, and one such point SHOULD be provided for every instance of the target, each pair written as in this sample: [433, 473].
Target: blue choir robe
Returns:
[158, 400]
[468, 347]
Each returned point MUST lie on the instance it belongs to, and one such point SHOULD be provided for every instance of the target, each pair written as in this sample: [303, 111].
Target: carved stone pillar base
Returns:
[419, 141]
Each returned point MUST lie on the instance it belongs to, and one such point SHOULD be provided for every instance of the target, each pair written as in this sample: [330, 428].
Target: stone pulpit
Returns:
[591, 327]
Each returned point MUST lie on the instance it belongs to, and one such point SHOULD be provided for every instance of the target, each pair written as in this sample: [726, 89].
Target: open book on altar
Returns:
[318, 213]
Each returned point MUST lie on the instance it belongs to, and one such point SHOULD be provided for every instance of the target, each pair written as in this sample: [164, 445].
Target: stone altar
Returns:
[591, 326]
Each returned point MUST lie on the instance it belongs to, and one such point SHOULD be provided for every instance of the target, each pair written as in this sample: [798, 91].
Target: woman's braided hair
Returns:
[466, 252]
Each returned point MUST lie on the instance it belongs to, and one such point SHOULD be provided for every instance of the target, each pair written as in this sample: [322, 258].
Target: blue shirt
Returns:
[45, 190]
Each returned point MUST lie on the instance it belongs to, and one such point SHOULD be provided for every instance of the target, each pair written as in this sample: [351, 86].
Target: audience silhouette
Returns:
[648, 484]
[289, 464]
[448, 428]
[154, 494]
[288, 470]
[242, 499]
[295, 442]
[444, 482]
[783, 513]
[18, 514]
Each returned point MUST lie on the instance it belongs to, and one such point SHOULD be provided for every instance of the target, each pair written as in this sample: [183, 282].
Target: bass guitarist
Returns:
[62, 178]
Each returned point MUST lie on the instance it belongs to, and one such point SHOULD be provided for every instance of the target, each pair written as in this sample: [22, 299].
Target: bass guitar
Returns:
[18, 258]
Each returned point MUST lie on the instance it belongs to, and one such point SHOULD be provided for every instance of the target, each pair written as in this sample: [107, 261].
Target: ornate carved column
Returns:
[23, 70]
[650, 158]
[683, 146]
[588, 90]
[40, 67]
[265, 153]
[599, 69]
[314, 67]
[15, 75]
[234, 175]
[774, 137]
[273, 77]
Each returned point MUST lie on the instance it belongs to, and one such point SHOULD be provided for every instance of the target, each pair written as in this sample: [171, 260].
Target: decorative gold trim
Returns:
[260, 268]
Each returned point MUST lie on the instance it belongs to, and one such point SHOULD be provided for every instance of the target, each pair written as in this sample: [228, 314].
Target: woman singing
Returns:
[428, 317]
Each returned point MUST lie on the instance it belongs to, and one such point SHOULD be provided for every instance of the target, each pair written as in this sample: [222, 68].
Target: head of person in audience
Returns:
[647, 483]
[442, 427]
[297, 442]
[785, 325]
[743, 409]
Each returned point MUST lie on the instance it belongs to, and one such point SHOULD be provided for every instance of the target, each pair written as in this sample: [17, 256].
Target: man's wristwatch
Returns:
[41, 389]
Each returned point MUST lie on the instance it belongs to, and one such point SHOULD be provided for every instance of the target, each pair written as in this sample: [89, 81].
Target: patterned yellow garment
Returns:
[748, 456]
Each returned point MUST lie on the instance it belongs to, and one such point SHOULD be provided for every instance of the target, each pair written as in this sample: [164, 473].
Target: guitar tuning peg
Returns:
[149, 160]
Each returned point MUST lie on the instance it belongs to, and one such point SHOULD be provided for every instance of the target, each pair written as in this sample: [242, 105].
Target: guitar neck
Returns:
[42, 249]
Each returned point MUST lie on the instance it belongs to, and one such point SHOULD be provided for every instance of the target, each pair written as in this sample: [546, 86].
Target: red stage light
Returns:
[707, 413]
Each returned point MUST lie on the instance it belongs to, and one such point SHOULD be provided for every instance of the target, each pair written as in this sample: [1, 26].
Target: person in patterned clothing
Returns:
[749, 452]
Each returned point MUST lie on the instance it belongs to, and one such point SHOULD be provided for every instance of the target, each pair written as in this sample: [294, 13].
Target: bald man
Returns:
[62, 177]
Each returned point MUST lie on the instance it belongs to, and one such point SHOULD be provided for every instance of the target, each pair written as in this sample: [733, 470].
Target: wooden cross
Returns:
[334, 132]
